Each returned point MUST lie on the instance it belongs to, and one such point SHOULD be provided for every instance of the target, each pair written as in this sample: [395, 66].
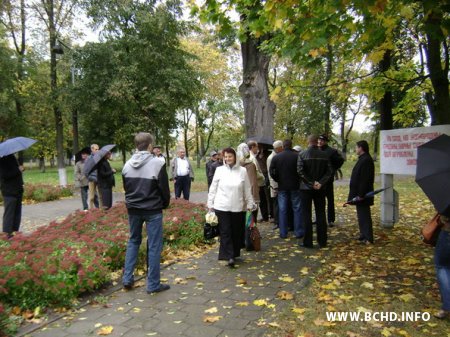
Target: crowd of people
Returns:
[282, 184]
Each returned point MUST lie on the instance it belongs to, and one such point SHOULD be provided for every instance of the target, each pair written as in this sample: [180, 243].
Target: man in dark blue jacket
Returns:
[361, 182]
[314, 170]
[11, 184]
[147, 193]
[283, 169]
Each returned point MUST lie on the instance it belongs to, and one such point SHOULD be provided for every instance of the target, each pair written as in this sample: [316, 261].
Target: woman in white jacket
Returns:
[230, 197]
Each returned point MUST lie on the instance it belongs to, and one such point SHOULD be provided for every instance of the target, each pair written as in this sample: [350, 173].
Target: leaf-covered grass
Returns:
[395, 275]
[56, 263]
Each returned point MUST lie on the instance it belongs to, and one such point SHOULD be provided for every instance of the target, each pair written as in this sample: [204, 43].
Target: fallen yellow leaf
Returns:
[286, 279]
[367, 285]
[211, 319]
[212, 310]
[242, 304]
[406, 297]
[285, 295]
[260, 303]
[299, 310]
[106, 330]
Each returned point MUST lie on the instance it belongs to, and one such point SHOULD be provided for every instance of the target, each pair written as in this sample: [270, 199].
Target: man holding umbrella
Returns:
[11, 182]
[361, 182]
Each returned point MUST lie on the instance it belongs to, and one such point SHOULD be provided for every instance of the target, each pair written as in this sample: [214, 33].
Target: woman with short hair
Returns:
[230, 196]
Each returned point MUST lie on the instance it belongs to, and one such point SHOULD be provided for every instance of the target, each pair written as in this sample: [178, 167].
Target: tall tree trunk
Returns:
[438, 68]
[259, 110]
[385, 104]
[329, 72]
[54, 90]
[76, 145]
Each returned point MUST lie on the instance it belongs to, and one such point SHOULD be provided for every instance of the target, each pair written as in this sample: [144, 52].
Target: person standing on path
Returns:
[361, 182]
[213, 157]
[95, 198]
[442, 264]
[182, 174]
[314, 170]
[283, 170]
[229, 197]
[244, 160]
[147, 193]
[277, 148]
[81, 180]
[336, 161]
[105, 180]
[11, 185]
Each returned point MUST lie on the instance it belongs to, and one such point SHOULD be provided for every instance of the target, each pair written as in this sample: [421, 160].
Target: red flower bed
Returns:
[57, 262]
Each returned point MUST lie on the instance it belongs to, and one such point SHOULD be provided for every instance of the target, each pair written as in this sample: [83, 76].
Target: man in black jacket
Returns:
[147, 193]
[11, 182]
[361, 182]
[314, 170]
[213, 157]
[336, 161]
[283, 169]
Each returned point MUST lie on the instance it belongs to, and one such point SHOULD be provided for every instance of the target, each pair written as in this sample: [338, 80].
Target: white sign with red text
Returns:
[398, 148]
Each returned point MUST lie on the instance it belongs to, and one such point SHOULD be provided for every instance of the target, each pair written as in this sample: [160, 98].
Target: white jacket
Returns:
[230, 190]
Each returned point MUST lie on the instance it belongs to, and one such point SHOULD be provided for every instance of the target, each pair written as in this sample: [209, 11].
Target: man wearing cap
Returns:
[157, 153]
[212, 159]
[336, 161]
[277, 148]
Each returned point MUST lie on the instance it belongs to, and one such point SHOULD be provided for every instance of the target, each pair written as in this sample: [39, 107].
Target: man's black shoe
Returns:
[306, 246]
[128, 286]
[231, 263]
[331, 224]
[162, 287]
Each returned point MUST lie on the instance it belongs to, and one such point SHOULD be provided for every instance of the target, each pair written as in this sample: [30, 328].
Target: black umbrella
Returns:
[92, 161]
[370, 194]
[86, 149]
[433, 172]
[262, 140]
[14, 145]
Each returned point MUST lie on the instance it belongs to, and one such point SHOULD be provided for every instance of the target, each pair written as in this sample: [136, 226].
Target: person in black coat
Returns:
[105, 180]
[361, 182]
[283, 169]
[11, 182]
[315, 171]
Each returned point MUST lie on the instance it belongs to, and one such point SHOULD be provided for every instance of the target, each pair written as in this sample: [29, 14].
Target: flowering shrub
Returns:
[43, 192]
[57, 262]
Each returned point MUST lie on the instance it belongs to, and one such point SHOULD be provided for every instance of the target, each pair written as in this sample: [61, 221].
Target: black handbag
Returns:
[209, 231]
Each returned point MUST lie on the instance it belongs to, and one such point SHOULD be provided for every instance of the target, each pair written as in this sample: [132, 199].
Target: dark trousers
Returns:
[84, 191]
[12, 214]
[264, 203]
[307, 198]
[365, 222]
[232, 234]
[106, 196]
[329, 193]
[183, 184]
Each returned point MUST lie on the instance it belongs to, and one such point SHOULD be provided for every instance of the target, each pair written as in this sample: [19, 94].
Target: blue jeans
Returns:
[284, 198]
[154, 246]
[442, 264]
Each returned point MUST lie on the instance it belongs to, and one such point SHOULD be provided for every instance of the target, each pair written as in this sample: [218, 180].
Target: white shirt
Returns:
[182, 167]
[230, 190]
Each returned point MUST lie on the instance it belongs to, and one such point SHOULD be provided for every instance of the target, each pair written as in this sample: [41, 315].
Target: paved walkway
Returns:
[202, 288]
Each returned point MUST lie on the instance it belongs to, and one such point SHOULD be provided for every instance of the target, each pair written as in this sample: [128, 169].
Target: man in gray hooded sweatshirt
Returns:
[147, 193]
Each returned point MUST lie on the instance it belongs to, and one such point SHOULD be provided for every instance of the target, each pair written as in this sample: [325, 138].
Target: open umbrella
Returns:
[86, 149]
[433, 172]
[14, 145]
[92, 161]
[370, 194]
[262, 140]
